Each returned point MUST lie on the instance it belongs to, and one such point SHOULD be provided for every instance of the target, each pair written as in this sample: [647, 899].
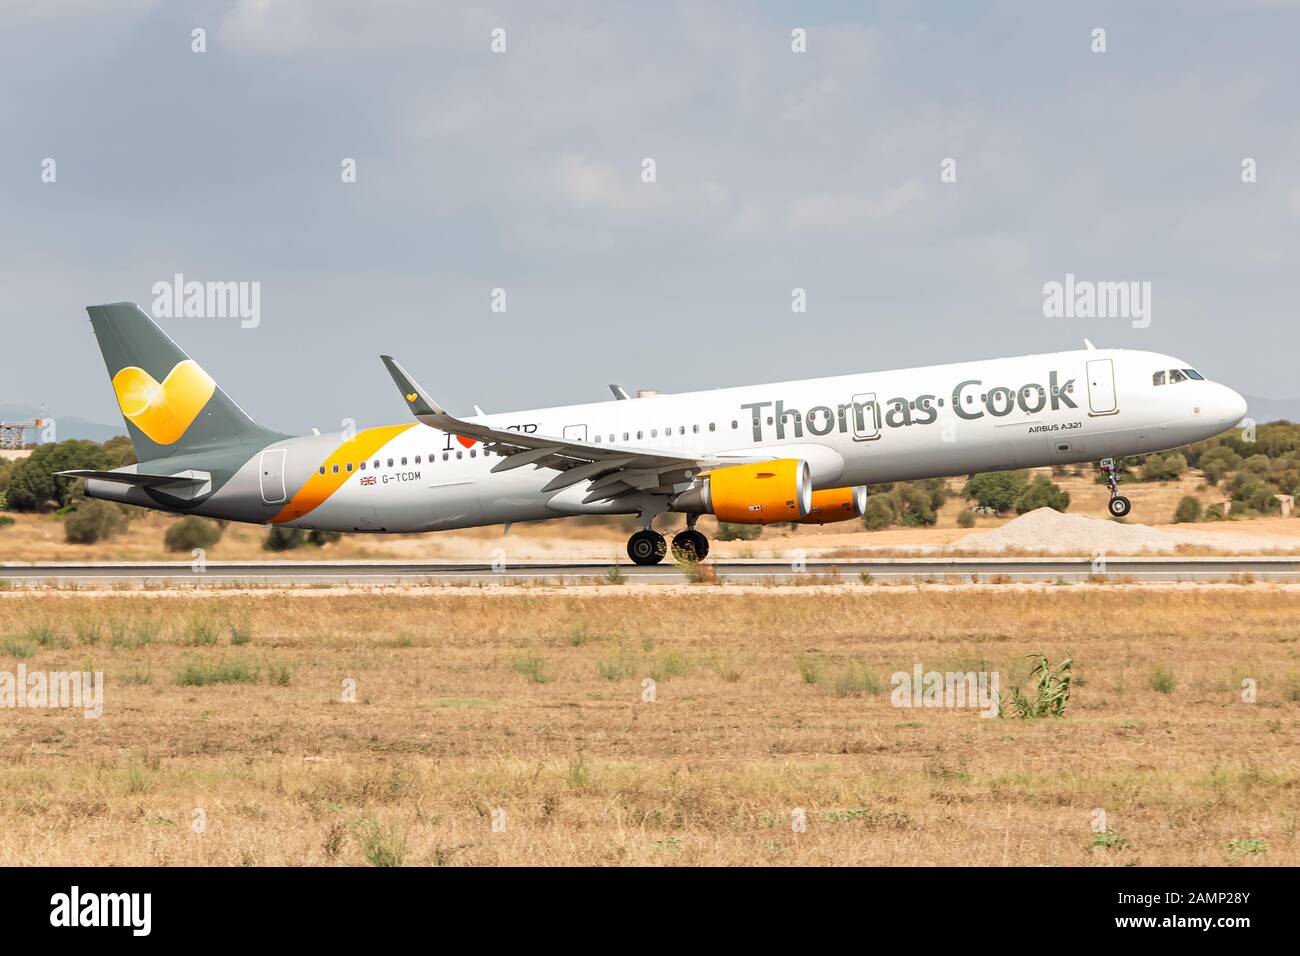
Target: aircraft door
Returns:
[1101, 387]
[271, 473]
[576, 432]
[866, 417]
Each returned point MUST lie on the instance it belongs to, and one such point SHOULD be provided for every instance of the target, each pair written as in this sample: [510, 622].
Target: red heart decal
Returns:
[467, 442]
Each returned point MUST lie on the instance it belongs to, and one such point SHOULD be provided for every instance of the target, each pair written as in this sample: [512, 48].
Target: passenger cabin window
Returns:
[1158, 378]
[349, 466]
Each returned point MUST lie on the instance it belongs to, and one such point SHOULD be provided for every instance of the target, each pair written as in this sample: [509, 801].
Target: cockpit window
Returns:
[1193, 374]
[1158, 378]
[1176, 375]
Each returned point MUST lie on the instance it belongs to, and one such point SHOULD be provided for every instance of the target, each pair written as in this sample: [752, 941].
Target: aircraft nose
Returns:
[1230, 405]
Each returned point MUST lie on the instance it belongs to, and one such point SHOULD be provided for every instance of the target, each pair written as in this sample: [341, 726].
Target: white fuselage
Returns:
[941, 420]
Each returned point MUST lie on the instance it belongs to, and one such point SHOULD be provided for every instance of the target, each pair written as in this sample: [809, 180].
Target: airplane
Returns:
[800, 451]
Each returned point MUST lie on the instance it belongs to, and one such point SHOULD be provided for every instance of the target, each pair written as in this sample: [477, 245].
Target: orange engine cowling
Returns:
[836, 504]
[762, 492]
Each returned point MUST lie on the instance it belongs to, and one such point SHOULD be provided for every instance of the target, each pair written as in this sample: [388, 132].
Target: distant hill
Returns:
[1265, 410]
[66, 426]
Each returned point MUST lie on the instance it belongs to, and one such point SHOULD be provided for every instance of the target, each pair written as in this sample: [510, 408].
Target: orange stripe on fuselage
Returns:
[318, 487]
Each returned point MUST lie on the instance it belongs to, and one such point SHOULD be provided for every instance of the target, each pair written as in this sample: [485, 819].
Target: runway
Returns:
[940, 570]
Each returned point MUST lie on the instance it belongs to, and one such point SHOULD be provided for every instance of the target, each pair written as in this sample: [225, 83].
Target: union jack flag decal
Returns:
[367, 479]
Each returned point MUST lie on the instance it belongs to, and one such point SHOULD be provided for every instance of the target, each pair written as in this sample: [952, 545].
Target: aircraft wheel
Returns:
[646, 547]
[690, 545]
[1120, 506]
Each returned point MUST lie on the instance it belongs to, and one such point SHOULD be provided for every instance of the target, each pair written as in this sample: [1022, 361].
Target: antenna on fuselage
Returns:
[1091, 347]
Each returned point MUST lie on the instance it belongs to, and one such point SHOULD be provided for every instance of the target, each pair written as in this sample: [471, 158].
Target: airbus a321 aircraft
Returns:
[792, 451]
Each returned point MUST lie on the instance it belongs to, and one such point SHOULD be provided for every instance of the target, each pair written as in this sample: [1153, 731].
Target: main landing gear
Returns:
[649, 547]
[1119, 505]
[646, 547]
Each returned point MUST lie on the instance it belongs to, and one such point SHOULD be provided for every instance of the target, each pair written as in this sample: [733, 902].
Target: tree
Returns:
[914, 504]
[120, 451]
[1042, 493]
[995, 491]
[33, 482]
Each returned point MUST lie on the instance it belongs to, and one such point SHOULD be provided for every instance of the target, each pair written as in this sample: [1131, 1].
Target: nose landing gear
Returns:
[1119, 505]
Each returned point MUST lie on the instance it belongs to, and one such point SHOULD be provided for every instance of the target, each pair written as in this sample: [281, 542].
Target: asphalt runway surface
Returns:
[964, 570]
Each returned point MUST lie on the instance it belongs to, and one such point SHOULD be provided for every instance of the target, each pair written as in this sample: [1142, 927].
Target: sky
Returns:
[524, 171]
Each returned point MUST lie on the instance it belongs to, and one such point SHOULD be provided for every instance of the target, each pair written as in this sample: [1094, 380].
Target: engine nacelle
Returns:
[836, 504]
[762, 492]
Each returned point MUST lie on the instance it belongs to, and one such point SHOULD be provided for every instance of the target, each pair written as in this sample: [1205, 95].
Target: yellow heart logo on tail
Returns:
[411, 396]
[163, 411]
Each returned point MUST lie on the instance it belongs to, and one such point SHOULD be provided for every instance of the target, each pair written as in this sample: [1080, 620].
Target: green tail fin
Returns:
[171, 406]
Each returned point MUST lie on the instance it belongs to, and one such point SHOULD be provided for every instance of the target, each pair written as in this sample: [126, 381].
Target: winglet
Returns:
[417, 399]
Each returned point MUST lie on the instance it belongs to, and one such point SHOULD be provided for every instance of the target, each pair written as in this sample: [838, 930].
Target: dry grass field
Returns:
[228, 710]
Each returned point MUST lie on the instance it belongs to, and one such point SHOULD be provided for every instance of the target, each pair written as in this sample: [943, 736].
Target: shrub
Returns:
[1188, 510]
[965, 518]
[93, 520]
[879, 513]
[281, 538]
[203, 673]
[738, 532]
[1042, 493]
[321, 538]
[1051, 691]
[1161, 680]
[995, 491]
[6, 521]
[192, 532]
[1217, 462]
[1163, 467]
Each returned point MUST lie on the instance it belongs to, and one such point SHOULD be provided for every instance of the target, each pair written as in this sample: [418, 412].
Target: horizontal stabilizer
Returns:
[142, 481]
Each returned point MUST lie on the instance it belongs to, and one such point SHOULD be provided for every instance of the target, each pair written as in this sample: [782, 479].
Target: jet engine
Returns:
[763, 492]
[836, 504]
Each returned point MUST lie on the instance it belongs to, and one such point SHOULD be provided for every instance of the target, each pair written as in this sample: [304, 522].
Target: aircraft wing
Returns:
[613, 470]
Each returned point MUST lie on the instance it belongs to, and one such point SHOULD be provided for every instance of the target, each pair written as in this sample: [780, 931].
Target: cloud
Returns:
[842, 211]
